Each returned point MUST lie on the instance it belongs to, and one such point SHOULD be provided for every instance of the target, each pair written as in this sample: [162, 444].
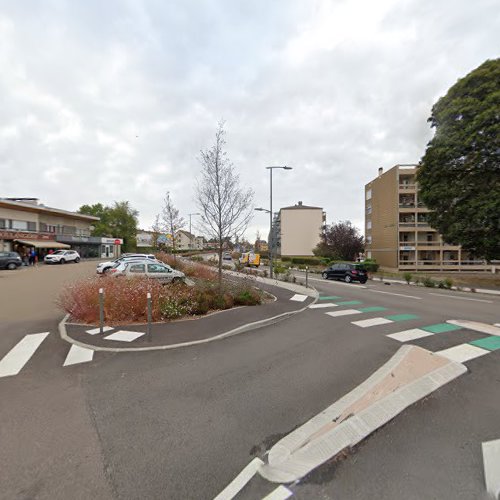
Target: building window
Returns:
[3, 224]
[368, 239]
[368, 194]
[368, 208]
[368, 224]
[368, 255]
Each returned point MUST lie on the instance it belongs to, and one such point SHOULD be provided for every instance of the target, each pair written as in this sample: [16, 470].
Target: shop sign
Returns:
[112, 241]
[19, 235]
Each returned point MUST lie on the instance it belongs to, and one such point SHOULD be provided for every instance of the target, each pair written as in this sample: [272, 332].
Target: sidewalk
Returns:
[192, 331]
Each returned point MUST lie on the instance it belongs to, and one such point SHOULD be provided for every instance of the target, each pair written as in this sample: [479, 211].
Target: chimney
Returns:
[380, 170]
[300, 203]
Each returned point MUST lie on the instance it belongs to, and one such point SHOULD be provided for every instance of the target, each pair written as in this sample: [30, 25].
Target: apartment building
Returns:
[397, 231]
[297, 230]
[25, 223]
[184, 240]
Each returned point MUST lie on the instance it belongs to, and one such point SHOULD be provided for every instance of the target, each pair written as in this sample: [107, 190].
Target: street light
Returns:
[271, 214]
[190, 235]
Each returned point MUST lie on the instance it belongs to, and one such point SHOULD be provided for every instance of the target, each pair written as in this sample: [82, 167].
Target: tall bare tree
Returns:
[171, 219]
[226, 207]
[157, 229]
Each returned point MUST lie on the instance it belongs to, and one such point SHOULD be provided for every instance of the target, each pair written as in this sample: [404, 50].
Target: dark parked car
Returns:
[346, 272]
[10, 260]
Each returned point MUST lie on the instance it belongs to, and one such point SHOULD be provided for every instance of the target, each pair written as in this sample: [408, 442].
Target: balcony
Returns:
[407, 187]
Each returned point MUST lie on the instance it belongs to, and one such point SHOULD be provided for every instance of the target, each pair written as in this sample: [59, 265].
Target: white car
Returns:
[147, 268]
[62, 256]
[104, 267]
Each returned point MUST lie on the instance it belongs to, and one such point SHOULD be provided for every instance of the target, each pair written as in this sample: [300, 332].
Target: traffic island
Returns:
[192, 331]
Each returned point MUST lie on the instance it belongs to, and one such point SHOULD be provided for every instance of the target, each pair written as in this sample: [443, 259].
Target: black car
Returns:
[10, 260]
[346, 272]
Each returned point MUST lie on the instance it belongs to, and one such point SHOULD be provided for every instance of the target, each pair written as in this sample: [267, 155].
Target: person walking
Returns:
[32, 257]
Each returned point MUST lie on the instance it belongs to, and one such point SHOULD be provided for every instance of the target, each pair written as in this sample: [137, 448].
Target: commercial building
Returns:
[397, 231]
[297, 230]
[26, 224]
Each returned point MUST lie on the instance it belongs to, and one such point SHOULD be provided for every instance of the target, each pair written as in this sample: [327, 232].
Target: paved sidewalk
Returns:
[190, 331]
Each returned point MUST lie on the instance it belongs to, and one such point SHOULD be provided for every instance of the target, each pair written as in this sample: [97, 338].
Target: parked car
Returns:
[10, 260]
[148, 269]
[104, 267]
[226, 256]
[346, 272]
[62, 256]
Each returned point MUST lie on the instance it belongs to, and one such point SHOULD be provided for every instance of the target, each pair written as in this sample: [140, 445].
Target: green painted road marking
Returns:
[440, 328]
[488, 343]
[372, 309]
[402, 317]
[329, 298]
[349, 303]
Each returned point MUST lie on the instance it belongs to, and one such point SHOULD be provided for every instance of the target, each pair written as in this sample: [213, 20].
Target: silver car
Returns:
[104, 267]
[146, 268]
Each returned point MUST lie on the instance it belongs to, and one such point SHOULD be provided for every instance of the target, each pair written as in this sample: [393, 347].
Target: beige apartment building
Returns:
[25, 224]
[297, 230]
[397, 231]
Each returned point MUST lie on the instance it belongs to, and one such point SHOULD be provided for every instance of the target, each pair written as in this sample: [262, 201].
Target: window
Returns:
[138, 268]
[369, 194]
[368, 208]
[3, 224]
[368, 238]
[157, 268]
[368, 224]
[20, 225]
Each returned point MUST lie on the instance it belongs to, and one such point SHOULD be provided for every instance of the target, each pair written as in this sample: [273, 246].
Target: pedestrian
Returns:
[32, 257]
[26, 257]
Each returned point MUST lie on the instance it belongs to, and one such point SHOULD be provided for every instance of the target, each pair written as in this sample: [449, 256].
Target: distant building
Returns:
[25, 223]
[145, 239]
[397, 231]
[261, 246]
[184, 240]
[297, 230]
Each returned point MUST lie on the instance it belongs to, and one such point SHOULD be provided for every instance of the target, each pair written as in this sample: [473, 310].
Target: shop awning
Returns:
[43, 243]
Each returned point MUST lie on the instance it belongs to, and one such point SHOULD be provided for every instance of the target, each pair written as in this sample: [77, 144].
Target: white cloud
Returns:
[104, 101]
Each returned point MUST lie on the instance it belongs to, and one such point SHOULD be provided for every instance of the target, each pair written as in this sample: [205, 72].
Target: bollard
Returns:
[150, 314]
[307, 276]
[101, 310]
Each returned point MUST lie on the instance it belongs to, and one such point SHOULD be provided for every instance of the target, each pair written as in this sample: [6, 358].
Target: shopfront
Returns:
[93, 246]
[22, 242]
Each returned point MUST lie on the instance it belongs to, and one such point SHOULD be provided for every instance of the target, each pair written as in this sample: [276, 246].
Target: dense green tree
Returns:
[340, 241]
[118, 220]
[459, 175]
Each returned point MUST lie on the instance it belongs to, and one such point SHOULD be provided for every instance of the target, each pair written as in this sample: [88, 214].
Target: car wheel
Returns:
[11, 266]
[176, 280]
[347, 278]
[325, 276]
[363, 282]
[62, 261]
[77, 260]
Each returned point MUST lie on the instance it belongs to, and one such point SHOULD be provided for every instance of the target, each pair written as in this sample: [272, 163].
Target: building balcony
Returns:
[407, 187]
[424, 243]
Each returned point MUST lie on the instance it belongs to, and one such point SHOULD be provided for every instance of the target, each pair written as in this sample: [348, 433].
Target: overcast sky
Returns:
[113, 100]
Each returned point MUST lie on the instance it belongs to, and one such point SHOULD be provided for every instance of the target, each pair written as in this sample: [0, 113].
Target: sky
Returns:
[111, 101]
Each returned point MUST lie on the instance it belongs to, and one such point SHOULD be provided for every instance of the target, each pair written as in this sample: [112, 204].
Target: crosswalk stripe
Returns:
[13, 362]
[406, 335]
[77, 355]
[233, 488]
[280, 493]
[365, 323]
[463, 352]
[298, 297]
[321, 306]
[343, 312]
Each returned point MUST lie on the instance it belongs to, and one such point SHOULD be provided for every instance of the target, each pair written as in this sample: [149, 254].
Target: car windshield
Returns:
[59, 252]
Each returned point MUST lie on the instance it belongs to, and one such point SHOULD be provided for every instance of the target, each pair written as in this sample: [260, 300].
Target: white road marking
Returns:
[365, 323]
[280, 493]
[124, 336]
[462, 353]
[95, 331]
[357, 285]
[78, 355]
[491, 464]
[235, 486]
[321, 306]
[343, 312]
[298, 298]
[397, 294]
[12, 363]
[406, 335]
[461, 298]
[476, 326]
[497, 324]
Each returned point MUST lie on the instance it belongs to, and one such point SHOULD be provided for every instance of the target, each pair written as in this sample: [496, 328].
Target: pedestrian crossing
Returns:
[22, 353]
[471, 349]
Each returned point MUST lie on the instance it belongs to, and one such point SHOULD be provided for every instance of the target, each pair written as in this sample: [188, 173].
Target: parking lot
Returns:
[30, 292]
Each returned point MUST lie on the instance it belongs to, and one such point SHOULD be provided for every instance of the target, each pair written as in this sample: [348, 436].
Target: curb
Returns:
[236, 331]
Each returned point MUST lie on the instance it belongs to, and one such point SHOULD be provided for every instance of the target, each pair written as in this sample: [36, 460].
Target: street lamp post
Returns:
[271, 239]
[190, 235]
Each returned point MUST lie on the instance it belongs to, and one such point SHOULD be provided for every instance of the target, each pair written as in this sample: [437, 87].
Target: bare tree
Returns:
[226, 207]
[157, 229]
[171, 219]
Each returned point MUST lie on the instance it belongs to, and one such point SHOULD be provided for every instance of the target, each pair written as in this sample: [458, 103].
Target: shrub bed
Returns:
[125, 300]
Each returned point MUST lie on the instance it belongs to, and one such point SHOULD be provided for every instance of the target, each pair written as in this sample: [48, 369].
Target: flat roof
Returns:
[32, 207]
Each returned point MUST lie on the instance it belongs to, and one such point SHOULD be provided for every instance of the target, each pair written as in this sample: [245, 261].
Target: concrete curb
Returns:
[318, 440]
[236, 331]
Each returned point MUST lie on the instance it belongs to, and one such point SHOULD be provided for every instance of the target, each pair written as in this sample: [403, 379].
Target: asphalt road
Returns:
[182, 424]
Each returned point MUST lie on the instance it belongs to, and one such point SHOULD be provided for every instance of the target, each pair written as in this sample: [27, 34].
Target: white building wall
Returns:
[300, 231]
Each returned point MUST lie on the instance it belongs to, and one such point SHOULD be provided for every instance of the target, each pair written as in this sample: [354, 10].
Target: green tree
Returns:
[459, 175]
[340, 241]
[119, 221]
